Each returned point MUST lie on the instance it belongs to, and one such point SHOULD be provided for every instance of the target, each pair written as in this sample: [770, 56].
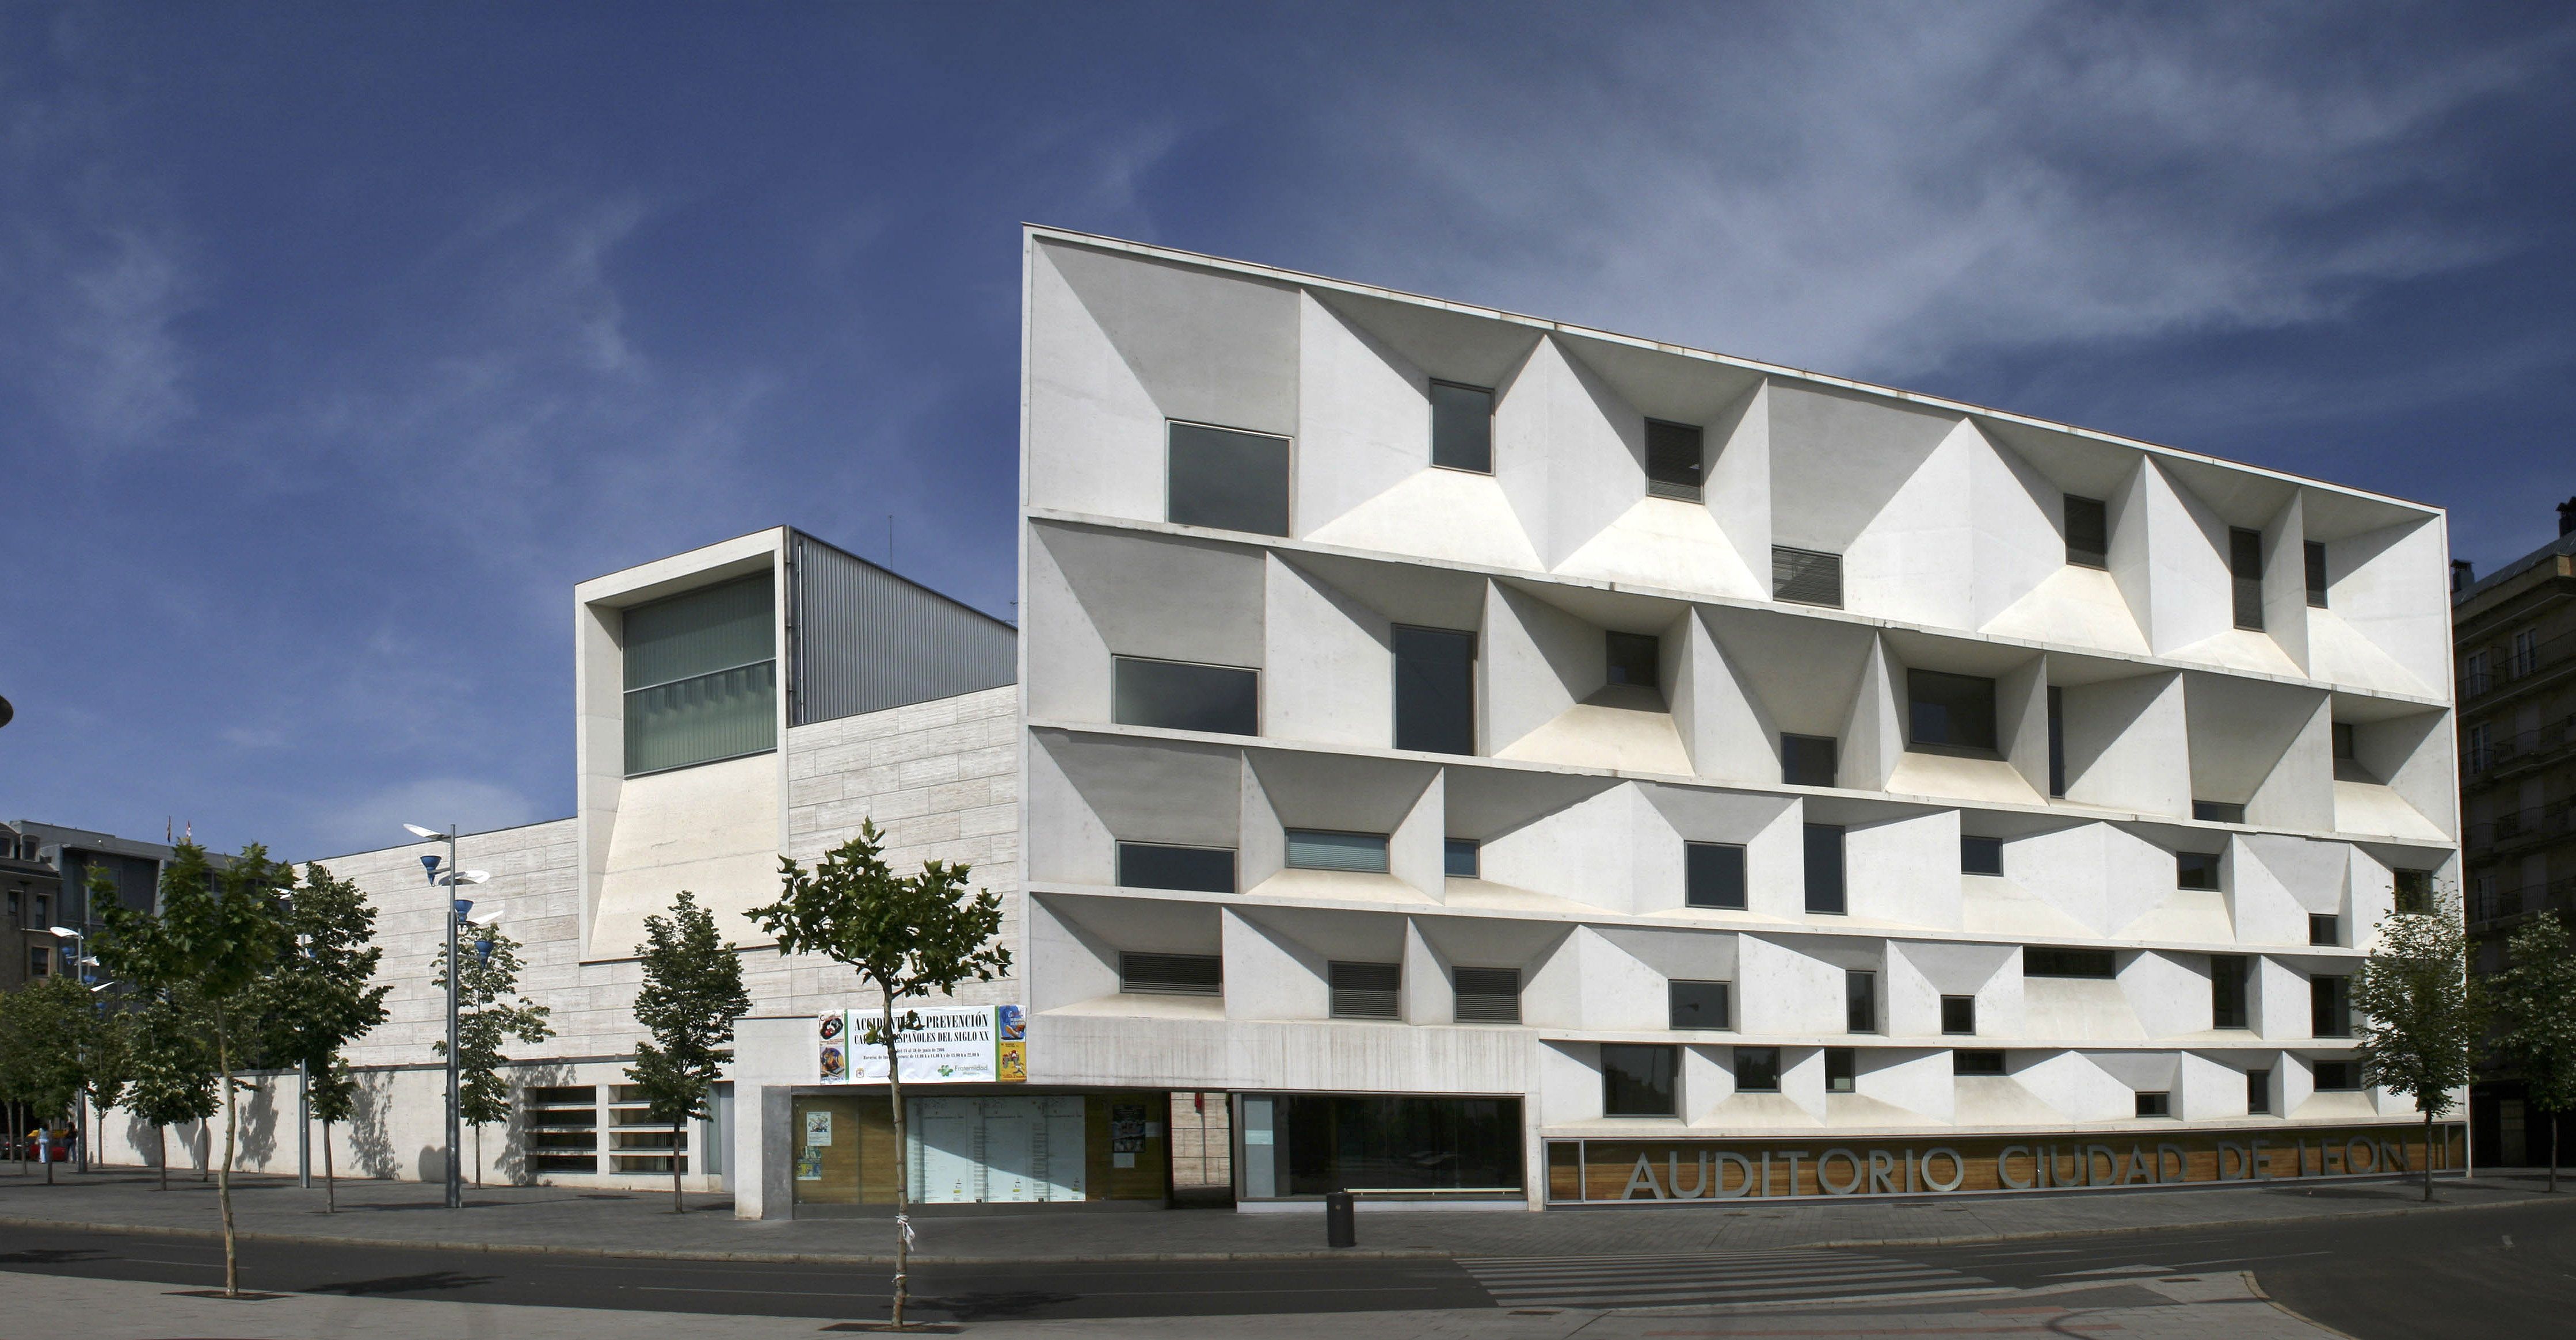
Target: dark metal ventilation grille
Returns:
[1365, 990]
[1806, 577]
[1489, 995]
[1171, 974]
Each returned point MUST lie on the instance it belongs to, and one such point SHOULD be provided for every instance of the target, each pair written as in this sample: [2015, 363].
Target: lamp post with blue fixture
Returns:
[457, 908]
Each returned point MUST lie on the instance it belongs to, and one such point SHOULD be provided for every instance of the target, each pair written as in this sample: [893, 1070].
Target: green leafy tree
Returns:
[907, 936]
[333, 1095]
[324, 995]
[214, 937]
[174, 1068]
[2535, 1004]
[691, 996]
[2423, 1014]
[489, 1012]
[106, 1063]
[47, 1022]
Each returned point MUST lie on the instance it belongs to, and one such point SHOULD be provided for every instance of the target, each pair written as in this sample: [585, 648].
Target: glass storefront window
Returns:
[1308, 1144]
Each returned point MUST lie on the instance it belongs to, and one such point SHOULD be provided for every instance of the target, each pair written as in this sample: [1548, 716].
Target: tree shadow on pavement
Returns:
[431, 1281]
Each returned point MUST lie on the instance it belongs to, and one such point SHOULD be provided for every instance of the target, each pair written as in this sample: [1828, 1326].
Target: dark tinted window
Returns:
[1959, 1014]
[2330, 1007]
[1976, 1063]
[1635, 658]
[1228, 480]
[1700, 1005]
[1806, 577]
[1334, 1142]
[1981, 856]
[1842, 1069]
[2414, 891]
[1323, 849]
[1178, 695]
[2245, 564]
[2218, 812]
[1946, 711]
[2258, 1092]
[2155, 1104]
[1462, 427]
[1148, 865]
[1435, 690]
[1757, 1069]
[1171, 974]
[1487, 995]
[1672, 460]
[2316, 556]
[1809, 760]
[2227, 980]
[2037, 962]
[2338, 1076]
[2325, 930]
[2056, 741]
[2195, 870]
[1637, 1081]
[1825, 868]
[1459, 858]
[2088, 532]
[1713, 874]
[1365, 990]
[2343, 740]
[1860, 1001]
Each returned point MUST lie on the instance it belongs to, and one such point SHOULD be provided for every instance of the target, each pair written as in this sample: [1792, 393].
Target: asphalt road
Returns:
[2502, 1271]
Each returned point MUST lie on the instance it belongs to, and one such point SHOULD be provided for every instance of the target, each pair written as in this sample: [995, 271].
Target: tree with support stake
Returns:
[2423, 1013]
[907, 936]
[2535, 1001]
[691, 996]
[491, 1011]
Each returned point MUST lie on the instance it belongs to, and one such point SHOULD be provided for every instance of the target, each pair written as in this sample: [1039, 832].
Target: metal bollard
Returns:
[1340, 1230]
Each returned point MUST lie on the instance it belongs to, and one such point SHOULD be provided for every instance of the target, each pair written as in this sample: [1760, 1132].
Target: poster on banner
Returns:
[951, 1046]
[832, 1047]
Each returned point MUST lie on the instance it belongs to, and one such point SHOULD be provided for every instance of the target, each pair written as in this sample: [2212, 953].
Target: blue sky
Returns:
[338, 341]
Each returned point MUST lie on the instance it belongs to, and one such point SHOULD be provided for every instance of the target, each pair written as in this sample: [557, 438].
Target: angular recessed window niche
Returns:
[2263, 745]
[2401, 778]
[1095, 595]
[1550, 695]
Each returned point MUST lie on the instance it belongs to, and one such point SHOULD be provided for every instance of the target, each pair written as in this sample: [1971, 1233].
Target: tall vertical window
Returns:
[2526, 652]
[702, 676]
[2315, 554]
[2228, 975]
[1435, 690]
[2474, 676]
[2056, 741]
[1227, 479]
[1860, 1001]
[2258, 1092]
[2344, 744]
[2245, 565]
[1635, 658]
[1713, 875]
[1842, 1069]
[1825, 868]
[1462, 427]
[1673, 460]
[2088, 532]
[2330, 1007]
[1946, 711]
[1809, 760]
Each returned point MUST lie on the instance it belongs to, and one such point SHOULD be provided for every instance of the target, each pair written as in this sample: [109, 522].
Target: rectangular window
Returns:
[1309, 1144]
[1860, 1001]
[1757, 1070]
[2526, 652]
[1461, 858]
[2245, 566]
[1181, 695]
[2155, 1104]
[2195, 870]
[1981, 855]
[1317, 849]
[1700, 1005]
[1637, 1079]
[2088, 532]
[1154, 865]
[1976, 1063]
[2414, 890]
[1959, 1015]
[638, 1143]
[2325, 930]
[1635, 658]
[1487, 995]
[1171, 974]
[1227, 479]
[1809, 760]
[2330, 1007]
[2258, 1092]
[562, 1128]
[1365, 990]
[1947, 711]
[2228, 977]
[2481, 748]
[2217, 812]
[1435, 690]
[701, 672]
[1673, 460]
[1825, 869]
[40, 961]
[2316, 556]
[2338, 1076]
[2474, 678]
[1806, 577]
[1842, 1070]
[1462, 427]
[2056, 741]
[1713, 875]
[2100, 964]
[2343, 741]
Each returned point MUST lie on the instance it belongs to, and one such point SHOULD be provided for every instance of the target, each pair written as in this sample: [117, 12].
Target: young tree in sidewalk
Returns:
[324, 995]
[908, 936]
[215, 938]
[107, 1067]
[2535, 1002]
[2423, 1015]
[489, 1012]
[692, 995]
[45, 1023]
[174, 1069]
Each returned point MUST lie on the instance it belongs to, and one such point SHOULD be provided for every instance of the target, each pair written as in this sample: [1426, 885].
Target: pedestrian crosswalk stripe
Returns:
[1705, 1277]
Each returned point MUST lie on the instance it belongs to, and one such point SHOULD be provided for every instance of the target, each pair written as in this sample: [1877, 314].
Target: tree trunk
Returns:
[161, 1137]
[678, 1206]
[478, 1154]
[902, 1165]
[224, 1175]
[2553, 1153]
[330, 1193]
[2428, 1158]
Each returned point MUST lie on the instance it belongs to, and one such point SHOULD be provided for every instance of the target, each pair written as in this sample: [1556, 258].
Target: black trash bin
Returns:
[1340, 1230]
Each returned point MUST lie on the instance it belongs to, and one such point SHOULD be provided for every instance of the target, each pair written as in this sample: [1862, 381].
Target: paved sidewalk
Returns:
[639, 1223]
[2190, 1308]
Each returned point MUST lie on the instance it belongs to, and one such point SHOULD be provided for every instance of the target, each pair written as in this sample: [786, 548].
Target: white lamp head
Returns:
[62, 932]
[417, 831]
[486, 917]
[467, 877]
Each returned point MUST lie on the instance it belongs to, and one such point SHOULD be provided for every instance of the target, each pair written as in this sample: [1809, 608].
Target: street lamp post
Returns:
[81, 964]
[456, 910]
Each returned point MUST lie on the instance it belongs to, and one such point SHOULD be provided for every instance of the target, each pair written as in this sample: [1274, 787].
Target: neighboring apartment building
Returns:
[45, 873]
[1507, 764]
[2516, 632]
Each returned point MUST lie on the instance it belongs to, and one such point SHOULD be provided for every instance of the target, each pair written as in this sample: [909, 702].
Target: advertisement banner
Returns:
[832, 1047]
[978, 1044]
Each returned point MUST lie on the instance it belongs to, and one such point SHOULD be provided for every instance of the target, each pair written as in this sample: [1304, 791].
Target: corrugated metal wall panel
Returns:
[865, 640]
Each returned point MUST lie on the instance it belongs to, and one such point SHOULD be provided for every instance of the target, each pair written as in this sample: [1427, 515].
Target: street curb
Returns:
[2256, 1288]
[1115, 1258]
